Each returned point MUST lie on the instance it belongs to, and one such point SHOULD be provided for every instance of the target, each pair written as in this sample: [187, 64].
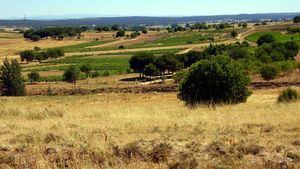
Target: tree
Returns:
[33, 77]
[11, 81]
[120, 33]
[245, 25]
[144, 31]
[134, 35]
[139, 61]
[115, 27]
[268, 72]
[151, 70]
[216, 81]
[297, 19]
[86, 69]
[234, 34]
[71, 75]
[27, 55]
[267, 38]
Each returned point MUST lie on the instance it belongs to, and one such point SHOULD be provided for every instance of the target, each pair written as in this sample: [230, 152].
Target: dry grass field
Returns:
[147, 131]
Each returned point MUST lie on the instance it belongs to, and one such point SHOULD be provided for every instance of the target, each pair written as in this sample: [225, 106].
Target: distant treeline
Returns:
[39, 55]
[55, 33]
[148, 20]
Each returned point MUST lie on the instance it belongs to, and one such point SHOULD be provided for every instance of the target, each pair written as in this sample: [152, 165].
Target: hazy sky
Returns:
[13, 8]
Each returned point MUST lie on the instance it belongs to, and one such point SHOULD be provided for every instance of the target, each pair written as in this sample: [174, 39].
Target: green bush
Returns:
[288, 95]
[267, 38]
[268, 72]
[71, 75]
[217, 81]
[33, 76]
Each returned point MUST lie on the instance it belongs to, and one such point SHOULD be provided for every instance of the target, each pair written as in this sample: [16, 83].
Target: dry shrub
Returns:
[130, 151]
[296, 143]
[185, 161]
[160, 152]
[216, 149]
[50, 137]
[9, 113]
[295, 157]
[249, 149]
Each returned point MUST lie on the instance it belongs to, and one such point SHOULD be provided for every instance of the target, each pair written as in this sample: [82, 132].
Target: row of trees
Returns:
[55, 33]
[39, 55]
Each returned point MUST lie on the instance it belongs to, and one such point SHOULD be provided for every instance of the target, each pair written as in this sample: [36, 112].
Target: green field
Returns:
[181, 38]
[279, 37]
[101, 63]
[82, 46]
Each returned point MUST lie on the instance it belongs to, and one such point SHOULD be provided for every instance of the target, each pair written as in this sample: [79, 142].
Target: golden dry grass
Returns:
[95, 124]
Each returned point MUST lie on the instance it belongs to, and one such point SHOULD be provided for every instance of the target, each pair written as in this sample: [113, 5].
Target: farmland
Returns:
[97, 100]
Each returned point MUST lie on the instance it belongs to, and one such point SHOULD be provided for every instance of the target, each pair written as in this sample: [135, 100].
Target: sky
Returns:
[19, 8]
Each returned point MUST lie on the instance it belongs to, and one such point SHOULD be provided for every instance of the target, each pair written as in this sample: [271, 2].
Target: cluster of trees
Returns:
[270, 51]
[107, 28]
[200, 26]
[244, 25]
[293, 30]
[55, 33]
[39, 55]
[149, 65]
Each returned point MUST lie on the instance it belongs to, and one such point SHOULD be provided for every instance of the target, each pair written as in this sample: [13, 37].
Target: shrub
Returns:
[33, 76]
[86, 69]
[105, 73]
[234, 34]
[122, 47]
[268, 72]
[11, 81]
[71, 75]
[288, 95]
[96, 74]
[215, 81]
[120, 33]
[297, 19]
[267, 38]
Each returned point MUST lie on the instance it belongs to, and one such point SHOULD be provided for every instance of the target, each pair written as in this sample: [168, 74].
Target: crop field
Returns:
[280, 37]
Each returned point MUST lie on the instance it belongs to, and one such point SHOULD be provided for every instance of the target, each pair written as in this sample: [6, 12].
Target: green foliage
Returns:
[54, 33]
[31, 55]
[278, 36]
[86, 68]
[151, 70]
[179, 75]
[288, 95]
[11, 81]
[293, 29]
[267, 38]
[268, 72]
[71, 75]
[144, 31]
[139, 61]
[134, 35]
[33, 76]
[234, 34]
[216, 81]
[296, 19]
[105, 73]
[120, 33]
[96, 74]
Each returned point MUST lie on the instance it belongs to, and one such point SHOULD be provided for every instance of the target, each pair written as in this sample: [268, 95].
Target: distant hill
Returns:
[141, 20]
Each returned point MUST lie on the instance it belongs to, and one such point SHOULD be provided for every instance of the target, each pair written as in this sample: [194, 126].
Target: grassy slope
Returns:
[94, 124]
[277, 35]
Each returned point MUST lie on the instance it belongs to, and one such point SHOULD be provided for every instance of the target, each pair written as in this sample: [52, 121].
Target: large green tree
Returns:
[217, 81]
[11, 80]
